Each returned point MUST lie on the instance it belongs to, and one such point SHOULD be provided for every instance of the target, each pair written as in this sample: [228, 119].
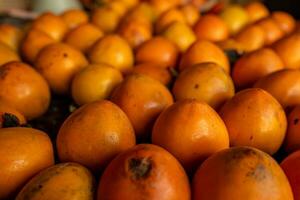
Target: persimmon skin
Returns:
[292, 140]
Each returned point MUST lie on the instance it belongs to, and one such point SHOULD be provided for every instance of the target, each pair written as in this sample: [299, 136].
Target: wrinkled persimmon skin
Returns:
[145, 171]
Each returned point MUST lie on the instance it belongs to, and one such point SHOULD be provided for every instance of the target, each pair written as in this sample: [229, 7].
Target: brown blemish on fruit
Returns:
[140, 167]
[296, 121]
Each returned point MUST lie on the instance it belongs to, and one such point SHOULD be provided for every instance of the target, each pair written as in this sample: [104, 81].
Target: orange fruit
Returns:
[77, 181]
[118, 6]
[204, 51]
[255, 118]
[74, 17]
[59, 63]
[288, 49]
[290, 166]
[143, 10]
[23, 153]
[292, 139]
[190, 130]
[144, 171]
[7, 54]
[180, 34]
[255, 65]
[251, 38]
[83, 36]
[220, 176]
[207, 82]
[11, 36]
[106, 131]
[272, 30]
[161, 6]
[95, 82]
[284, 85]
[112, 50]
[34, 41]
[155, 71]
[159, 50]
[256, 11]
[24, 89]
[211, 27]
[135, 31]
[190, 13]
[285, 21]
[172, 15]
[142, 99]
[105, 18]
[52, 25]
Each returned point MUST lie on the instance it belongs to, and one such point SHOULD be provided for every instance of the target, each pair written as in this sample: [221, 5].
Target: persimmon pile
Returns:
[151, 100]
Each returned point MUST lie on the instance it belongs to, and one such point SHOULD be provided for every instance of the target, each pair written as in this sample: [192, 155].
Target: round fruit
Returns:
[95, 82]
[105, 18]
[256, 11]
[271, 29]
[290, 166]
[94, 134]
[83, 36]
[52, 25]
[235, 17]
[7, 54]
[145, 171]
[180, 34]
[24, 89]
[288, 50]
[220, 176]
[155, 71]
[251, 38]
[142, 99]
[204, 51]
[33, 43]
[74, 17]
[23, 153]
[10, 117]
[112, 50]
[254, 118]
[63, 181]
[143, 11]
[167, 18]
[207, 82]
[161, 6]
[255, 65]
[292, 139]
[284, 85]
[285, 21]
[10, 35]
[211, 27]
[190, 130]
[159, 50]
[59, 63]
[191, 13]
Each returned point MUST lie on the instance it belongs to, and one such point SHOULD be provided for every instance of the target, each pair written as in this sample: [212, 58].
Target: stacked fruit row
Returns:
[164, 111]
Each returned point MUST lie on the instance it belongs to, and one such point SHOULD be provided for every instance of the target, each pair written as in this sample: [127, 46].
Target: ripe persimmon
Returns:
[285, 21]
[11, 36]
[256, 11]
[292, 139]
[7, 54]
[74, 17]
[272, 30]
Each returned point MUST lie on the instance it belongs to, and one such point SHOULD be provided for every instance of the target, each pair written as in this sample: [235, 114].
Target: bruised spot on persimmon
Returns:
[140, 168]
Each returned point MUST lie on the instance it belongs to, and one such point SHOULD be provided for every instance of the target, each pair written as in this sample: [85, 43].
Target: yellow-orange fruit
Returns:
[74, 17]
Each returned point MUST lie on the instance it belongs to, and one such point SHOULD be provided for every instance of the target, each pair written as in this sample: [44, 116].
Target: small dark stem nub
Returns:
[140, 167]
[10, 120]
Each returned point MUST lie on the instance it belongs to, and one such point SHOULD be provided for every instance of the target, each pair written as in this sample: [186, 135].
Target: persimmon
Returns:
[161, 6]
[255, 65]
[204, 51]
[11, 36]
[284, 85]
[76, 181]
[190, 13]
[159, 50]
[24, 89]
[106, 130]
[112, 50]
[220, 176]
[272, 30]
[207, 82]
[105, 18]
[290, 166]
[285, 21]
[255, 118]
[95, 82]
[10, 117]
[7, 54]
[74, 17]
[23, 153]
[211, 27]
[168, 17]
[256, 11]
[51, 24]
[143, 10]
[292, 139]
[83, 36]
[155, 71]
[190, 130]
[142, 99]
[58, 63]
[145, 171]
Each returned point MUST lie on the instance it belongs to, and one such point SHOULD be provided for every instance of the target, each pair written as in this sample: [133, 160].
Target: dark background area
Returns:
[291, 6]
